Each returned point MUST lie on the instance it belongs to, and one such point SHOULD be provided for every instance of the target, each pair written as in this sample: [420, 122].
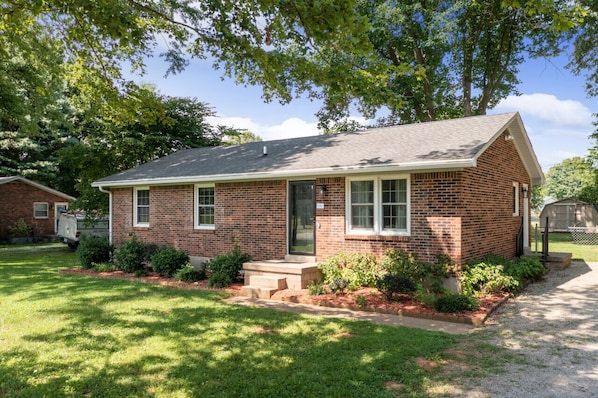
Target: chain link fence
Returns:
[584, 235]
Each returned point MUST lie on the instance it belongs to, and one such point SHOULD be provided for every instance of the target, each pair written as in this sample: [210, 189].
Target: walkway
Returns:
[382, 319]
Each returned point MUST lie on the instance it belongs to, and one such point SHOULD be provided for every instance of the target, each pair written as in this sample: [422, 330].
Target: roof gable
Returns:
[447, 144]
[5, 180]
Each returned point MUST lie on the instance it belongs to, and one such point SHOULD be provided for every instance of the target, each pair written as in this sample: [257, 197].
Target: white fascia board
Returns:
[277, 175]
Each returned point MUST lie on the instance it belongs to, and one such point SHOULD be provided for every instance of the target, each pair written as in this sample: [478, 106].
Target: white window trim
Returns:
[377, 230]
[196, 207]
[47, 210]
[135, 223]
[515, 199]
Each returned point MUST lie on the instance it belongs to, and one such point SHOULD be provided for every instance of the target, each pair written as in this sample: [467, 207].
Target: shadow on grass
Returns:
[105, 337]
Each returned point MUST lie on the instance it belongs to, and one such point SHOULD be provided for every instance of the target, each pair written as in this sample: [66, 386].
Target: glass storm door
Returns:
[302, 217]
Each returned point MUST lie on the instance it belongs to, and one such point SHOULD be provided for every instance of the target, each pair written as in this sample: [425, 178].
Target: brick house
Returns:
[458, 187]
[38, 205]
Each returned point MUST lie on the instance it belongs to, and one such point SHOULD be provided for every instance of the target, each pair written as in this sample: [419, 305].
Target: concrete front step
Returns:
[275, 282]
[297, 274]
[258, 291]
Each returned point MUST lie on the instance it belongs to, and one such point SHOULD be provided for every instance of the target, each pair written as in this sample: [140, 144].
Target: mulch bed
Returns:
[369, 298]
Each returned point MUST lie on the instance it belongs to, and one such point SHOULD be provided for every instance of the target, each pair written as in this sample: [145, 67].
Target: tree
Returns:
[240, 137]
[569, 178]
[149, 126]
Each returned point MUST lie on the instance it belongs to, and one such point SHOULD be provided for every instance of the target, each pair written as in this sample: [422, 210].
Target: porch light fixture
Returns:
[524, 190]
[322, 190]
[509, 137]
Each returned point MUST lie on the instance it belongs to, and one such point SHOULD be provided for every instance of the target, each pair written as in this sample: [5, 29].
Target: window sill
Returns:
[379, 238]
[205, 230]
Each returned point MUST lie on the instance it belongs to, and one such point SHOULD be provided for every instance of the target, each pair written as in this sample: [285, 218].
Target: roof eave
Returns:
[271, 175]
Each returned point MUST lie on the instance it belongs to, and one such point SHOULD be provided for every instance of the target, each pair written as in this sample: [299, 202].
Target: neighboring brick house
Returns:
[38, 205]
[458, 187]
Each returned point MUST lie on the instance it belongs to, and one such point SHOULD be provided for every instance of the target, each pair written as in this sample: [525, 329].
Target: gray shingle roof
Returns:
[5, 180]
[433, 145]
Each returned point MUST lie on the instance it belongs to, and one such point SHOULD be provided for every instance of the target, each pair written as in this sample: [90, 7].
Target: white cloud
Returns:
[548, 108]
[290, 128]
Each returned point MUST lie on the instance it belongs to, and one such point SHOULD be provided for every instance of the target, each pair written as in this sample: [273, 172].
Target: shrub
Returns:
[358, 269]
[316, 288]
[525, 269]
[130, 256]
[338, 285]
[168, 261]
[93, 250]
[391, 284]
[485, 278]
[455, 302]
[104, 267]
[190, 274]
[424, 297]
[226, 267]
[20, 229]
[429, 275]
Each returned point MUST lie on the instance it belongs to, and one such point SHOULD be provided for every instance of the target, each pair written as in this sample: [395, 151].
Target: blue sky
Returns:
[553, 104]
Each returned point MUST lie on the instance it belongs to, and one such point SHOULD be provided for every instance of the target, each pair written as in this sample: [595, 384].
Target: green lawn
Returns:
[71, 336]
[563, 242]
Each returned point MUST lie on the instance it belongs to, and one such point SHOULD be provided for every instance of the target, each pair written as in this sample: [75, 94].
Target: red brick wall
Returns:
[488, 223]
[16, 201]
[435, 224]
[464, 214]
[253, 213]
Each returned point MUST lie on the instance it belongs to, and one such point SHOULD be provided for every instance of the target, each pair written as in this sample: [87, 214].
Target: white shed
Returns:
[567, 213]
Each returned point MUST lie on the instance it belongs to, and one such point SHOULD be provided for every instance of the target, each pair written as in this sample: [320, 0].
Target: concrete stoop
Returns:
[558, 261]
[555, 260]
[264, 278]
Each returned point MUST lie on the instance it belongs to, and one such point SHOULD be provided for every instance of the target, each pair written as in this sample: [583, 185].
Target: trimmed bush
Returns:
[391, 284]
[525, 269]
[357, 268]
[429, 275]
[486, 278]
[455, 302]
[130, 256]
[168, 261]
[226, 267]
[190, 274]
[94, 250]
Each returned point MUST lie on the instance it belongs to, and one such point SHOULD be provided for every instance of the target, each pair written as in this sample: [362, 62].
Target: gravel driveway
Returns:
[552, 328]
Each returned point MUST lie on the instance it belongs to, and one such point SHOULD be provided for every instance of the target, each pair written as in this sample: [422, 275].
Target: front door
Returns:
[302, 217]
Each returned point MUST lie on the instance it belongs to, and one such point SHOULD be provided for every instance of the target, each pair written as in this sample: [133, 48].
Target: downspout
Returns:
[109, 211]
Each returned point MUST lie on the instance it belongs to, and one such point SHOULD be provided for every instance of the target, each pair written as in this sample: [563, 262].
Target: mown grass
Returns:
[70, 336]
[562, 242]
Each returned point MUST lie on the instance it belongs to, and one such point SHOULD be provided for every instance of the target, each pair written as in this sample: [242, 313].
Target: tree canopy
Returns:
[570, 179]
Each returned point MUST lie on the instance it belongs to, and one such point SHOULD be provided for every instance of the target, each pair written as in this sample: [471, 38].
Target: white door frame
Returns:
[526, 225]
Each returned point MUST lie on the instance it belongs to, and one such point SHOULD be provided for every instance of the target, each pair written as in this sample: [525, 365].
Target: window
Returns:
[378, 206]
[204, 207]
[141, 208]
[515, 199]
[40, 210]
